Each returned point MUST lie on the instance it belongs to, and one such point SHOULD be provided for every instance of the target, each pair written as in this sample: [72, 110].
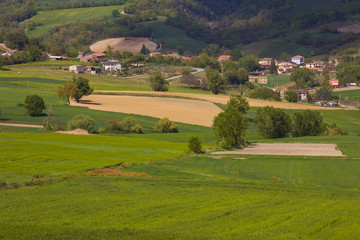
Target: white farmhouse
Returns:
[112, 65]
[76, 69]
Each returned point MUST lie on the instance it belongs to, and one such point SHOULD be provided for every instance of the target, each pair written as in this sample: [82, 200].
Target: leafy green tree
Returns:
[68, 91]
[323, 94]
[164, 125]
[144, 50]
[303, 77]
[350, 73]
[249, 62]
[236, 54]
[194, 144]
[35, 53]
[264, 93]
[215, 82]
[272, 122]
[3, 61]
[158, 82]
[291, 96]
[308, 123]
[239, 103]
[83, 87]
[230, 128]
[180, 50]
[81, 121]
[115, 13]
[129, 125]
[16, 39]
[34, 105]
[273, 69]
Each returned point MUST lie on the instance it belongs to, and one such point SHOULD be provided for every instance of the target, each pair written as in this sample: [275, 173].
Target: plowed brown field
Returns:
[121, 44]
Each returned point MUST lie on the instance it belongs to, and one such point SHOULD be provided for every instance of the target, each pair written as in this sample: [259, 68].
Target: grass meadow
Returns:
[352, 95]
[50, 19]
[148, 186]
[174, 37]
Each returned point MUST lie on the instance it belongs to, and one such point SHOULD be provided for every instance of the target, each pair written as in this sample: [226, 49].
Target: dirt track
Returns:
[179, 110]
[21, 125]
[288, 149]
[121, 44]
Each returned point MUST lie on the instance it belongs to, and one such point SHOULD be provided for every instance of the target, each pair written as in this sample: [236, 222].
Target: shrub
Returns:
[194, 144]
[264, 93]
[81, 121]
[272, 122]
[334, 130]
[129, 125]
[158, 82]
[291, 96]
[34, 105]
[165, 126]
[308, 123]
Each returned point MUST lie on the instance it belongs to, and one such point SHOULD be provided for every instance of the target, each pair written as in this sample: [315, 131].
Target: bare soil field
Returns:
[223, 100]
[124, 44]
[21, 125]
[288, 149]
[180, 110]
[77, 131]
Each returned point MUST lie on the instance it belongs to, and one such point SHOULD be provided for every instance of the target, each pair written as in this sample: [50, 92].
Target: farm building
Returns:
[112, 66]
[223, 58]
[57, 58]
[334, 83]
[93, 69]
[303, 95]
[76, 69]
[258, 79]
[297, 59]
[99, 56]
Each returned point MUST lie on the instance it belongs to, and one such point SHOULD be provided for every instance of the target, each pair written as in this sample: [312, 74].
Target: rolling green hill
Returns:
[50, 19]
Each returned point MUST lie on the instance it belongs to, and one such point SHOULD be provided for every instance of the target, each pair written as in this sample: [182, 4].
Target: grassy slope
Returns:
[174, 37]
[50, 19]
[165, 208]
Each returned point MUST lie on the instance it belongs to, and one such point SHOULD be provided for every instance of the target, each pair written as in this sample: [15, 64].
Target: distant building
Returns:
[297, 59]
[76, 69]
[99, 56]
[58, 58]
[223, 58]
[93, 69]
[258, 79]
[303, 95]
[112, 66]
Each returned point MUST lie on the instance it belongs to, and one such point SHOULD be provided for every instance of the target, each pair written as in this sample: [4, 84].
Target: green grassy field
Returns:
[352, 95]
[174, 37]
[49, 191]
[50, 19]
[278, 80]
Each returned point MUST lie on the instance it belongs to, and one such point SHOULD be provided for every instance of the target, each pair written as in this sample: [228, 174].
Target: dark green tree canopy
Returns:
[83, 86]
[303, 77]
[158, 82]
[308, 123]
[272, 122]
[215, 82]
[34, 105]
[239, 103]
[291, 96]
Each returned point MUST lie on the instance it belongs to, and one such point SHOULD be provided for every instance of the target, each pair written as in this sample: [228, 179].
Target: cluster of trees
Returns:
[276, 123]
[127, 125]
[231, 124]
[75, 89]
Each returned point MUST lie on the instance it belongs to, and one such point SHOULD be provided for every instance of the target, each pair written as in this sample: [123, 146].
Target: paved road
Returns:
[179, 76]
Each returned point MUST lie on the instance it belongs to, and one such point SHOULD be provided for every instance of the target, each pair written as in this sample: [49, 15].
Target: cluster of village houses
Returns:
[285, 67]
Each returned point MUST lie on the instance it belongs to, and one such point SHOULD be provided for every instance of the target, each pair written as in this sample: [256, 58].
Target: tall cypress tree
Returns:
[273, 69]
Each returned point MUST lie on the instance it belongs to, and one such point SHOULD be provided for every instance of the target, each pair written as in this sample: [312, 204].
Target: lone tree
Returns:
[239, 103]
[68, 91]
[303, 77]
[158, 82]
[194, 144]
[308, 123]
[188, 78]
[83, 87]
[34, 105]
[216, 83]
[230, 128]
[272, 122]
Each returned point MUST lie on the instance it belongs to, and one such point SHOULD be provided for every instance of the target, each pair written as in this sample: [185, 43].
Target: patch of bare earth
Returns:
[77, 131]
[224, 98]
[288, 149]
[21, 125]
[179, 110]
[124, 44]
